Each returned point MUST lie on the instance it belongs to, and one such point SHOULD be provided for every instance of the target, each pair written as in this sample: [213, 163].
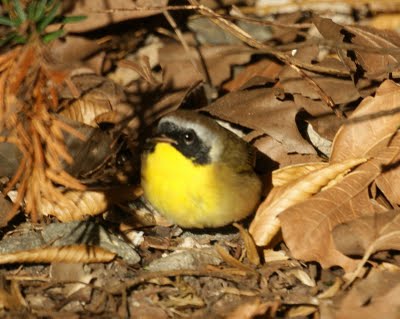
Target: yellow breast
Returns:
[176, 187]
[194, 195]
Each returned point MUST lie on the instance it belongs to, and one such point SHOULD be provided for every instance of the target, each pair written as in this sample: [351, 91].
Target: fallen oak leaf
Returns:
[374, 120]
[307, 226]
[264, 111]
[66, 254]
[218, 61]
[375, 51]
[266, 223]
[340, 90]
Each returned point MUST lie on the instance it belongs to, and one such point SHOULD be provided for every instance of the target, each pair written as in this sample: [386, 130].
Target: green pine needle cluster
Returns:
[22, 22]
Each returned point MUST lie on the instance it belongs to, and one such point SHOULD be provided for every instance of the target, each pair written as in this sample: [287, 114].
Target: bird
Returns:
[198, 174]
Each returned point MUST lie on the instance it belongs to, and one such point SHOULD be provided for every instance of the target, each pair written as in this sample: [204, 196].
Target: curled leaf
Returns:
[290, 173]
[67, 254]
[307, 226]
[76, 205]
[266, 224]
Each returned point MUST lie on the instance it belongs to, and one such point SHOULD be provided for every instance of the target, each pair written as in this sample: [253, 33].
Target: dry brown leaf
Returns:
[77, 205]
[389, 237]
[265, 69]
[266, 223]
[264, 111]
[309, 237]
[377, 65]
[388, 182]
[307, 226]
[101, 95]
[143, 68]
[385, 238]
[86, 109]
[288, 174]
[375, 297]
[377, 231]
[217, 59]
[65, 49]
[326, 124]
[375, 120]
[340, 90]
[100, 14]
[278, 152]
[66, 254]
[74, 274]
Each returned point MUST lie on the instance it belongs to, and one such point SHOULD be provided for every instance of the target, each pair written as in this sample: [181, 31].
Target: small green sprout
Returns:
[23, 22]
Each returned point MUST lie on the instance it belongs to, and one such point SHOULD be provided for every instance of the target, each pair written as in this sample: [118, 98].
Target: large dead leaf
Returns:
[340, 90]
[378, 64]
[217, 60]
[373, 121]
[307, 226]
[266, 224]
[263, 110]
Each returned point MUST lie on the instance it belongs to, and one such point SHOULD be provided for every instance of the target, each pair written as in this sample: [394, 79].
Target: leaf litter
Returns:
[315, 90]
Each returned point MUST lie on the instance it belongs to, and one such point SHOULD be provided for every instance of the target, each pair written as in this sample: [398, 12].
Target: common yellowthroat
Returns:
[197, 173]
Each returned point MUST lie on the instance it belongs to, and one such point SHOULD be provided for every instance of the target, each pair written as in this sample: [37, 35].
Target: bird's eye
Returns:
[188, 138]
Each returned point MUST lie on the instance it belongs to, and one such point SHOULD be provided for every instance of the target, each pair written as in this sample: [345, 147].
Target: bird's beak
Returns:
[151, 142]
[161, 139]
